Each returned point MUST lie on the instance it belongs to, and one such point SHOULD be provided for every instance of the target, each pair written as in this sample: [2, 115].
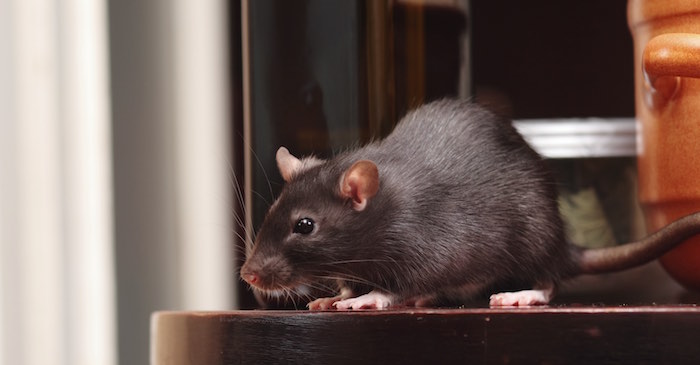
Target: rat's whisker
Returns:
[360, 261]
[352, 278]
[262, 168]
[321, 286]
[257, 194]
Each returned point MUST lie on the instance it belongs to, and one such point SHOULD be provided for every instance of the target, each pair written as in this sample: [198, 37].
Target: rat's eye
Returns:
[304, 226]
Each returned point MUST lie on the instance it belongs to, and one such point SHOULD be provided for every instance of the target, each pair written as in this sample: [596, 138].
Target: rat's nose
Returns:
[250, 278]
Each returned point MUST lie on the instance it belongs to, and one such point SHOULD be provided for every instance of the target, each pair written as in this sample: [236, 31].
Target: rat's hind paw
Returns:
[371, 300]
[523, 298]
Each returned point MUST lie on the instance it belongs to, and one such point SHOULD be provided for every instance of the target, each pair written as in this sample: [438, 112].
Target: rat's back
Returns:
[482, 202]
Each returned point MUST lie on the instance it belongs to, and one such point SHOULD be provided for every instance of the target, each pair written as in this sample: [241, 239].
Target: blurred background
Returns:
[137, 140]
[115, 176]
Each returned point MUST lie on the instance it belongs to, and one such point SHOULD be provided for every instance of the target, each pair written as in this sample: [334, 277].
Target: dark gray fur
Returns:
[464, 206]
[462, 200]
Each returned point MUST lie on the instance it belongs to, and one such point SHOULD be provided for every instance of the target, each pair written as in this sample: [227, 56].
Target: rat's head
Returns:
[311, 225]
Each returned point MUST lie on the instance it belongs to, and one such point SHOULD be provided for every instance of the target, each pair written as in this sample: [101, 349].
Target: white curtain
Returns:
[56, 271]
[59, 267]
[203, 154]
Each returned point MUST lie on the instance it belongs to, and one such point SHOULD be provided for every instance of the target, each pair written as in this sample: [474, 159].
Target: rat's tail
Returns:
[626, 256]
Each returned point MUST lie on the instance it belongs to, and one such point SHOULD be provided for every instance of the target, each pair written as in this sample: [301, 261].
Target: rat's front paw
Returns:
[371, 300]
[322, 303]
[327, 303]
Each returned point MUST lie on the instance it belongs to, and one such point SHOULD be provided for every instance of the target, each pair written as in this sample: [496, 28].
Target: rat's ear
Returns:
[288, 164]
[360, 183]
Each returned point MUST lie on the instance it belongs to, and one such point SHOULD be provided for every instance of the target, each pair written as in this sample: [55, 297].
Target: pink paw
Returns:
[327, 303]
[520, 299]
[371, 300]
[322, 303]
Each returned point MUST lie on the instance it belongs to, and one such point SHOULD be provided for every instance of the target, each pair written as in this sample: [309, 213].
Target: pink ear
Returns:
[288, 164]
[360, 183]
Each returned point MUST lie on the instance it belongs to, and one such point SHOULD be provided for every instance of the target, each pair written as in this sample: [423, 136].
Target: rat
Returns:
[451, 205]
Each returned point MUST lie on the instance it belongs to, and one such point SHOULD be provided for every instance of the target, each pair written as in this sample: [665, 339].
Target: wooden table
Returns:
[550, 335]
